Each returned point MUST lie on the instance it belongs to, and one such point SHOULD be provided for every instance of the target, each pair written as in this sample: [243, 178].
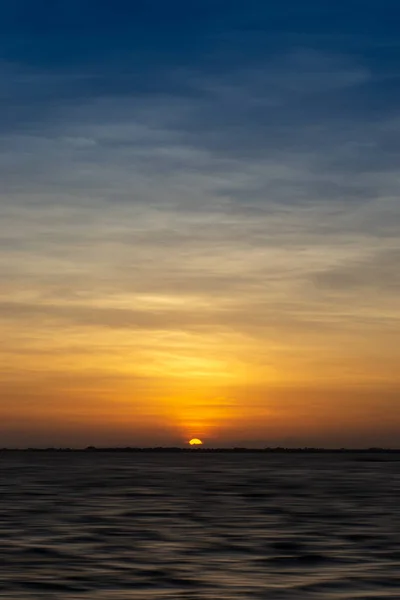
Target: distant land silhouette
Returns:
[203, 450]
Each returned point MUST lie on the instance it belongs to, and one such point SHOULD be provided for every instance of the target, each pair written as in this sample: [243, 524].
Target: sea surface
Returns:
[110, 526]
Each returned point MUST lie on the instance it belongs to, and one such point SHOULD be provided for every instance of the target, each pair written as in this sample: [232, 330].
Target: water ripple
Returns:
[199, 526]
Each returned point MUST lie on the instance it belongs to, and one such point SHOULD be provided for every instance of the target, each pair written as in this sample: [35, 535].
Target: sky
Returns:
[199, 223]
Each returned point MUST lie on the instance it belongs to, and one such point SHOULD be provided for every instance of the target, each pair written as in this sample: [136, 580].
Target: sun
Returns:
[195, 442]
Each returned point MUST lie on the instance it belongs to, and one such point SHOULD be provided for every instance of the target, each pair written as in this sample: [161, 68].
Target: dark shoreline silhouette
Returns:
[202, 450]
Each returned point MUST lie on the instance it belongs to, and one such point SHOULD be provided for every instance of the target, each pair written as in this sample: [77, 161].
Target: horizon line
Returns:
[238, 449]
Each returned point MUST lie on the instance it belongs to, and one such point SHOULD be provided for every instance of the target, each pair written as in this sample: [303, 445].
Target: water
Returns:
[195, 526]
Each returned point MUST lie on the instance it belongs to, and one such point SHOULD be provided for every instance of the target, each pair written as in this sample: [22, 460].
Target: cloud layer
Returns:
[182, 225]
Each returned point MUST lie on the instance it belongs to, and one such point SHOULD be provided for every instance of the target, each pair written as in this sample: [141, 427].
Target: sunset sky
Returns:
[199, 223]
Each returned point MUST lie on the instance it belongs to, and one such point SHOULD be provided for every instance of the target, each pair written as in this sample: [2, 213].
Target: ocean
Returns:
[194, 526]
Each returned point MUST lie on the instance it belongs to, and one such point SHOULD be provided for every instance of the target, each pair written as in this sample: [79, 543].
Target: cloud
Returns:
[222, 217]
[376, 273]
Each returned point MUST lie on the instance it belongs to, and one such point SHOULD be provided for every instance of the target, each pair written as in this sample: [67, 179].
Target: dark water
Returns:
[195, 526]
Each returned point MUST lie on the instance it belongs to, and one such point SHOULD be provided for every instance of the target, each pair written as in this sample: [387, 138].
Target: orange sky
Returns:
[99, 352]
[204, 249]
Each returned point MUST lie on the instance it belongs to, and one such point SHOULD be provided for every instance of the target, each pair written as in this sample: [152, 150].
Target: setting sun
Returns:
[195, 442]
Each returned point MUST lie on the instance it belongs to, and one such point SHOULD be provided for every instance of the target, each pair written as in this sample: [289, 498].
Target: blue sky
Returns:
[219, 177]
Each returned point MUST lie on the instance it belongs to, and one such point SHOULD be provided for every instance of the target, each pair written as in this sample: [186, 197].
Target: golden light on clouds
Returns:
[156, 291]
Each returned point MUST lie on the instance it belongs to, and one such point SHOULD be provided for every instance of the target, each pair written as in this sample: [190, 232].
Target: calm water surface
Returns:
[193, 526]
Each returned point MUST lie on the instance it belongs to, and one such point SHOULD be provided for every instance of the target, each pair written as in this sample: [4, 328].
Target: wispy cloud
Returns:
[241, 216]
